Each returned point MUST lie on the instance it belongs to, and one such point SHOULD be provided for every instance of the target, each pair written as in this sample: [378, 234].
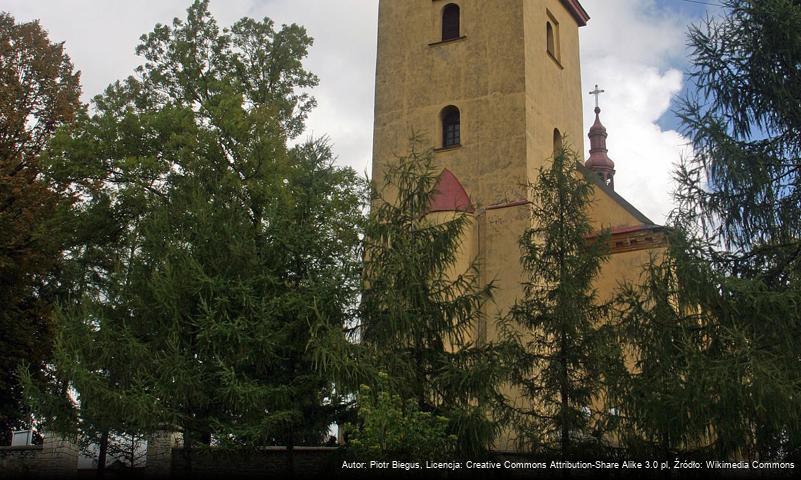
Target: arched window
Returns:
[451, 127]
[557, 142]
[551, 39]
[450, 22]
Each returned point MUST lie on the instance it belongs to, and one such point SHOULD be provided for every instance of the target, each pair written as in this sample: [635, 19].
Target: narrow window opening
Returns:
[551, 39]
[557, 142]
[450, 22]
[451, 127]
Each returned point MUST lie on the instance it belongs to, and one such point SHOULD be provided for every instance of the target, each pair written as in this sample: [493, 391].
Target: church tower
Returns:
[493, 85]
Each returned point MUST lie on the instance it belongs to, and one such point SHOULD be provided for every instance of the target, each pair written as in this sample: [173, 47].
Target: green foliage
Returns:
[391, 428]
[559, 351]
[250, 66]
[714, 325]
[215, 245]
[742, 183]
[715, 361]
[39, 92]
[418, 315]
[664, 329]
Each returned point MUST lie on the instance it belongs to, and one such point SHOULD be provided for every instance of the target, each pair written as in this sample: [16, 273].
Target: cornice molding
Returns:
[578, 12]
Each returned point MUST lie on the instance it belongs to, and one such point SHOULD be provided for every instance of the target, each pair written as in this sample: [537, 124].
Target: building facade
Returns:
[495, 88]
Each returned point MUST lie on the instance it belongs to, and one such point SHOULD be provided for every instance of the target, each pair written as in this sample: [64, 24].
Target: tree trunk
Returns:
[187, 453]
[564, 395]
[290, 447]
[102, 454]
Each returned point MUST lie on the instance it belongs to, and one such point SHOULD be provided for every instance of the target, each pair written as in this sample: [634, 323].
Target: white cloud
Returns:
[638, 31]
[628, 49]
[343, 56]
[101, 36]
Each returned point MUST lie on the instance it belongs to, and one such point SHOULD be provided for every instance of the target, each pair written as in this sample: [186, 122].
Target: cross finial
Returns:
[597, 94]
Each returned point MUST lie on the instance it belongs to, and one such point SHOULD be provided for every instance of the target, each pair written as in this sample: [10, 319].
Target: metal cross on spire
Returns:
[597, 94]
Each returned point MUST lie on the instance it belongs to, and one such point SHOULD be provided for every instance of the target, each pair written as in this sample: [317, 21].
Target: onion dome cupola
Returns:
[599, 162]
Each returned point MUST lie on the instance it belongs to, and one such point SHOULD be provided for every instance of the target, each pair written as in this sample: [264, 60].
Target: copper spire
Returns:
[599, 161]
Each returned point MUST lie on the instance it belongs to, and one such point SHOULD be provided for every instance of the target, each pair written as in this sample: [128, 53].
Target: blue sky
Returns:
[641, 67]
[694, 11]
[689, 8]
[637, 51]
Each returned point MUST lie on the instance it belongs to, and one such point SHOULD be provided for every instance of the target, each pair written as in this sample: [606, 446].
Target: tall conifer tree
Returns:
[714, 359]
[741, 187]
[419, 315]
[554, 334]
[715, 323]
[742, 183]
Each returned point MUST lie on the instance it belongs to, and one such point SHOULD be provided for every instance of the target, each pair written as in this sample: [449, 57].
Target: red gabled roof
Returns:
[450, 195]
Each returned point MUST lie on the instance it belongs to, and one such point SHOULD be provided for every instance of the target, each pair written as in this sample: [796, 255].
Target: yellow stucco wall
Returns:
[621, 268]
[625, 267]
[605, 212]
[553, 85]
[511, 93]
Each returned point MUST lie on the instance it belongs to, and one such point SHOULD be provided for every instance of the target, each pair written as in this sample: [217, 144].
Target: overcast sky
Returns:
[634, 49]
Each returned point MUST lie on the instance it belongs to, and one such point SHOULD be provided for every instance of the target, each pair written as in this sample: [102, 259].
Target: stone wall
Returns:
[19, 461]
[56, 458]
[159, 453]
[302, 462]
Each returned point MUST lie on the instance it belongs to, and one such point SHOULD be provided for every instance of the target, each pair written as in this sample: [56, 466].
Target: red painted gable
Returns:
[450, 195]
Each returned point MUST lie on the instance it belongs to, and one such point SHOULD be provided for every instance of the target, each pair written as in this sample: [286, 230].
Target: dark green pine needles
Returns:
[557, 343]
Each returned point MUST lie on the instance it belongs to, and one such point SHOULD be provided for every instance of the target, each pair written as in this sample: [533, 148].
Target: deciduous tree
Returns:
[39, 92]
[221, 244]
